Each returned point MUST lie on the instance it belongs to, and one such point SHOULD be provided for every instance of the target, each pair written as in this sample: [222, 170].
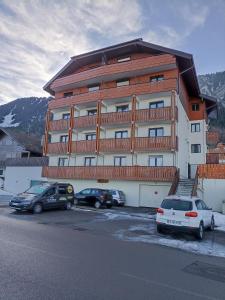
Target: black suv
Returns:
[44, 196]
[95, 197]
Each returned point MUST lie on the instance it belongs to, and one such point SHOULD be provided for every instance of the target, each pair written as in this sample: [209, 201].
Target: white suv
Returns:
[186, 214]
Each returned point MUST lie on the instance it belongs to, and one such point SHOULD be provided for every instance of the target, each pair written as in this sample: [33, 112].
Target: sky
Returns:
[38, 37]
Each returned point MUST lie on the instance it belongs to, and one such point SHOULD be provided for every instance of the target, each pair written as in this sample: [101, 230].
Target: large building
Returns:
[128, 117]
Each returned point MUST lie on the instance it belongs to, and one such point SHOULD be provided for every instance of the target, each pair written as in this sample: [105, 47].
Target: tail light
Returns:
[160, 211]
[192, 214]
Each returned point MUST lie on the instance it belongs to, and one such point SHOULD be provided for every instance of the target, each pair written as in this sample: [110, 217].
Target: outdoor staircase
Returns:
[185, 187]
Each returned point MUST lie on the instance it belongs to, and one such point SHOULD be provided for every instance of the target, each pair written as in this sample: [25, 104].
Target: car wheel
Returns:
[37, 209]
[159, 229]
[200, 232]
[68, 205]
[212, 224]
[97, 204]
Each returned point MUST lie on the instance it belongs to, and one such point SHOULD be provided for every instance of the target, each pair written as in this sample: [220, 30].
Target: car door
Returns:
[207, 212]
[84, 196]
[49, 199]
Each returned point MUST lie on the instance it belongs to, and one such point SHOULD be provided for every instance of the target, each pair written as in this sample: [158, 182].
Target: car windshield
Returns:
[177, 204]
[38, 189]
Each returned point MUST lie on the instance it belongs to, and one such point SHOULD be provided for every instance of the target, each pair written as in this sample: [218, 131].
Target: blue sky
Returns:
[37, 37]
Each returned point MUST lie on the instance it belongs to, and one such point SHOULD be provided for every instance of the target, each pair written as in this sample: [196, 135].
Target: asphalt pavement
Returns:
[77, 255]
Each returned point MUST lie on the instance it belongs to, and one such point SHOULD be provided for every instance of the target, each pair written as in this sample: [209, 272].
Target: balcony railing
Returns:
[57, 148]
[141, 144]
[114, 118]
[59, 125]
[107, 72]
[111, 173]
[83, 146]
[116, 92]
[163, 143]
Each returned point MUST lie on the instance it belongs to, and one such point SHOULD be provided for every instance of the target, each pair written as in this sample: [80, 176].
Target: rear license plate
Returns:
[108, 202]
[173, 222]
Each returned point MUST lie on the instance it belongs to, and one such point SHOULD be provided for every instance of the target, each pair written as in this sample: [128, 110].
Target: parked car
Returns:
[185, 213]
[44, 196]
[119, 197]
[95, 197]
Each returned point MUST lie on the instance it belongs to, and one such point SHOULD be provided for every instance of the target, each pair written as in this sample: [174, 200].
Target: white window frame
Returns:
[156, 159]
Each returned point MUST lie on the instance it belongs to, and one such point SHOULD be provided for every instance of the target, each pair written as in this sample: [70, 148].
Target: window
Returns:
[90, 136]
[50, 192]
[67, 94]
[156, 161]
[195, 127]
[123, 59]
[156, 78]
[92, 112]
[62, 162]
[122, 108]
[195, 107]
[177, 204]
[195, 148]
[122, 82]
[153, 132]
[63, 189]
[156, 104]
[198, 204]
[85, 192]
[89, 161]
[64, 138]
[119, 160]
[121, 134]
[66, 116]
[93, 88]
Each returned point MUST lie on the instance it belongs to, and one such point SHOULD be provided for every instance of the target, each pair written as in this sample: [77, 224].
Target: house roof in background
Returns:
[29, 142]
[27, 162]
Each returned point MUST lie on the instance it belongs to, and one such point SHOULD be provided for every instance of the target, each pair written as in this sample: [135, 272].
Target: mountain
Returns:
[27, 114]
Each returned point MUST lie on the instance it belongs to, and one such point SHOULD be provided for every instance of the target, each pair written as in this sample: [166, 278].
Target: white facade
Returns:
[18, 179]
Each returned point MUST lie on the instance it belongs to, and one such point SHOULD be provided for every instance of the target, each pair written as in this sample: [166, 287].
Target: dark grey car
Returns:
[44, 196]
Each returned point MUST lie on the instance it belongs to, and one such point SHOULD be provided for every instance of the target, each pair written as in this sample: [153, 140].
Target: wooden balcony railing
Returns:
[115, 118]
[111, 70]
[115, 145]
[156, 114]
[83, 146]
[85, 121]
[111, 173]
[212, 171]
[59, 125]
[163, 143]
[165, 85]
[57, 148]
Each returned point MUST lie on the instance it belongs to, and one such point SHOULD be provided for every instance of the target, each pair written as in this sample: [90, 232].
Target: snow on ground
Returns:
[124, 216]
[219, 221]
[8, 121]
[147, 233]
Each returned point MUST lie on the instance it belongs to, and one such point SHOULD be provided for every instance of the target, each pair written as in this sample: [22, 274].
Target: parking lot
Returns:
[104, 254]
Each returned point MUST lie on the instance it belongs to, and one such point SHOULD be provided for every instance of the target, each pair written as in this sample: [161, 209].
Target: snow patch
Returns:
[8, 121]
[147, 234]
[125, 216]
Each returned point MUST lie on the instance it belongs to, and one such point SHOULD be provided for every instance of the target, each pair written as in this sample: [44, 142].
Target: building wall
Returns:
[212, 191]
[18, 179]
[137, 193]
[198, 138]
[9, 148]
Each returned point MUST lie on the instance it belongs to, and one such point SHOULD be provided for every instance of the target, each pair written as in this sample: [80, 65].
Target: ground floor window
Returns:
[155, 161]
[195, 148]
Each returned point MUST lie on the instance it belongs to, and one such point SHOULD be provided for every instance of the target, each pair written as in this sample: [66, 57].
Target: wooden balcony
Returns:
[59, 125]
[212, 171]
[159, 143]
[165, 85]
[111, 173]
[212, 138]
[83, 146]
[156, 114]
[109, 72]
[115, 118]
[115, 145]
[85, 122]
[57, 148]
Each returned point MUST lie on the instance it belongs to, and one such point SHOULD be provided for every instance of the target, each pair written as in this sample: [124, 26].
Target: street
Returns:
[85, 254]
